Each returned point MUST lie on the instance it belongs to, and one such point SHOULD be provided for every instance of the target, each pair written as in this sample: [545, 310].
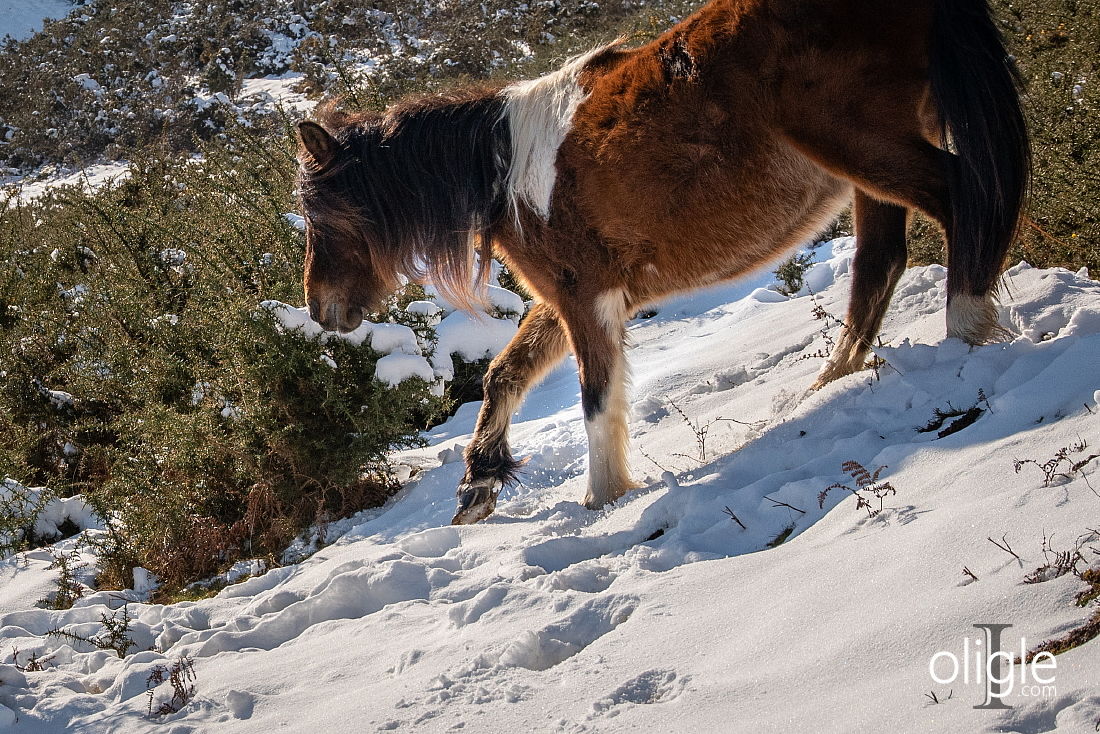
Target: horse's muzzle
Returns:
[335, 316]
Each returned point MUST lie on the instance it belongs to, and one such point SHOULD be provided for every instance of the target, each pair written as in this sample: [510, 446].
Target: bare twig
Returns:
[1003, 545]
[777, 503]
[734, 517]
[969, 573]
[653, 461]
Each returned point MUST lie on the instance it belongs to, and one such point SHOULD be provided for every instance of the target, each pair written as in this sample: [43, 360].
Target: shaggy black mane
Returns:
[420, 187]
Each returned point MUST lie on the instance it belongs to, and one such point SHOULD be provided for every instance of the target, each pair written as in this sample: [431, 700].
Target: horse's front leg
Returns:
[597, 331]
[539, 344]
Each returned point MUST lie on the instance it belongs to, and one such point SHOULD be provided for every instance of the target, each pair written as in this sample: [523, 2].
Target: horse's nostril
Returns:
[354, 318]
[314, 310]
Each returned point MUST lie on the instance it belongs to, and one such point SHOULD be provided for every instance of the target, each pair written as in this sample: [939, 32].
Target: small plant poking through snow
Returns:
[1062, 465]
[115, 635]
[181, 676]
[34, 664]
[1059, 563]
[69, 589]
[791, 273]
[701, 431]
[867, 487]
[965, 417]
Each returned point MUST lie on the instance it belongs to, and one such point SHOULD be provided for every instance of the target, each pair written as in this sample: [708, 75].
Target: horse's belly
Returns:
[721, 223]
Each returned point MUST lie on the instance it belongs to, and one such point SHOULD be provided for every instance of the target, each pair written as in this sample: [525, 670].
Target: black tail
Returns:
[976, 88]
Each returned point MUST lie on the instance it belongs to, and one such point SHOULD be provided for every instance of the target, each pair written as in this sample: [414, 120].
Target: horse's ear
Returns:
[317, 141]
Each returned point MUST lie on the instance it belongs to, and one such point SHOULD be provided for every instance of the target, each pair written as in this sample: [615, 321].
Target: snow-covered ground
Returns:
[24, 189]
[663, 612]
[22, 18]
[270, 93]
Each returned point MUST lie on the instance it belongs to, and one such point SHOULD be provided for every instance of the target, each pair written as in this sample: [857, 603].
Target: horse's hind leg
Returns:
[539, 344]
[909, 171]
[879, 262]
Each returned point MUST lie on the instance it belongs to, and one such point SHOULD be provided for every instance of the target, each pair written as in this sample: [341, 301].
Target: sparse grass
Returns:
[191, 593]
[1076, 637]
[181, 678]
[781, 538]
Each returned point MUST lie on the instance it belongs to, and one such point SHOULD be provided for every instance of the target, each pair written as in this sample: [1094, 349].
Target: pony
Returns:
[629, 174]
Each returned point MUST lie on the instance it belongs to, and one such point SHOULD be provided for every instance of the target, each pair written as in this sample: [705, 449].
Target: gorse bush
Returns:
[116, 75]
[791, 272]
[141, 370]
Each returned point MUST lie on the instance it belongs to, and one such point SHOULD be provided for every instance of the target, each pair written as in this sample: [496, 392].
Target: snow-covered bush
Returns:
[116, 74]
[146, 374]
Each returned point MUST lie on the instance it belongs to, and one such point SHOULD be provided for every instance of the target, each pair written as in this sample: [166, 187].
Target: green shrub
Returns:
[792, 271]
[144, 373]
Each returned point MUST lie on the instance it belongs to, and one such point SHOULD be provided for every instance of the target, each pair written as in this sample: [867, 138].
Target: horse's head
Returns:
[347, 274]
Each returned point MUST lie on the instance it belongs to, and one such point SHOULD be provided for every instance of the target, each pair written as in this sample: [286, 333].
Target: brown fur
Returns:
[719, 146]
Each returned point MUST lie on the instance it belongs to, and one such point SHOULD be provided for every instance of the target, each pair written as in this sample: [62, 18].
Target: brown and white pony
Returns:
[631, 174]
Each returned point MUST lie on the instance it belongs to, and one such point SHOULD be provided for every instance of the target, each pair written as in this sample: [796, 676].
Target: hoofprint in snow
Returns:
[661, 612]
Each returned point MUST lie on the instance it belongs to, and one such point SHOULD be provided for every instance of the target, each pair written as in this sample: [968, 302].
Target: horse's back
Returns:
[680, 151]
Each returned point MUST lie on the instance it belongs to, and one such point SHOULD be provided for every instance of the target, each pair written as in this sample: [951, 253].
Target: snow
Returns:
[398, 343]
[21, 19]
[48, 513]
[662, 612]
[470, 337]
[394, 369]
[277, 91]
[28, 188]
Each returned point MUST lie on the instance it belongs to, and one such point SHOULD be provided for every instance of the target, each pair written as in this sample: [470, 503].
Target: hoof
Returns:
[476, 501]
[833, 371]
[597, 500]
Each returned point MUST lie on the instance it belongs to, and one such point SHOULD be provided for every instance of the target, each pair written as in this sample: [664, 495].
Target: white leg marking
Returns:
[608, 435]
[974, 319]
[540, 114]
[608, 444]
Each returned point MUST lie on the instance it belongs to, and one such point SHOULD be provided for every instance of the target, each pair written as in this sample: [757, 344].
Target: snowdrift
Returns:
[667, 611]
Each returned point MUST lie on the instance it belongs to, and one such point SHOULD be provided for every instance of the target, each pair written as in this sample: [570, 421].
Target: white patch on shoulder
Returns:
[540, 114]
